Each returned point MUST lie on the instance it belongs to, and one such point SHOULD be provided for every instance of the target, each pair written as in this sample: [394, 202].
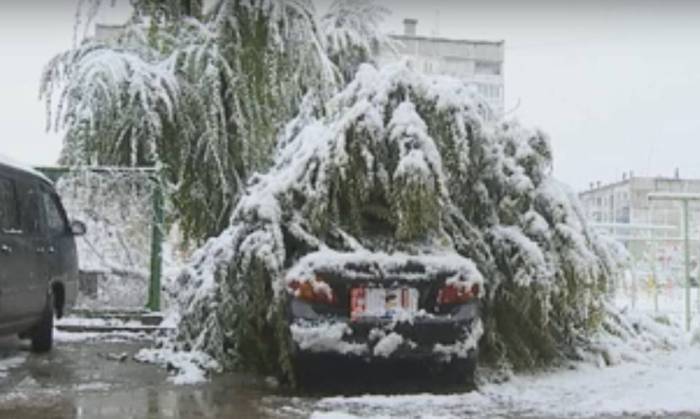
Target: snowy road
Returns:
[98, 379]
[664, 386]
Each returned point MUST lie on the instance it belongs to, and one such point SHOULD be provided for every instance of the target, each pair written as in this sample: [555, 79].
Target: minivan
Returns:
[38, 256]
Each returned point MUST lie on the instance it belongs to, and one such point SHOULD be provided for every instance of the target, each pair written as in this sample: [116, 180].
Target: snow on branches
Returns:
[205, 94]
[112, 103]
[402, 163]
[352, 31]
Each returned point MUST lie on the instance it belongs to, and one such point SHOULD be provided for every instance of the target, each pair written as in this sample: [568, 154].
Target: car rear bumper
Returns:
[419, 337]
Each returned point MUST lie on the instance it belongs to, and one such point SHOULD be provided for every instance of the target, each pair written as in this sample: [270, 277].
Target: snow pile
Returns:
[122, 336]
[388, 344]
[98, 322]
[460, 349]
[7, 364]
[632, 337]
[404, 406]
[188, 367]
[402, 164]
[325, 337]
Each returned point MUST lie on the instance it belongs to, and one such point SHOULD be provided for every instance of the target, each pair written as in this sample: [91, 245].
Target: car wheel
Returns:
[42, 335]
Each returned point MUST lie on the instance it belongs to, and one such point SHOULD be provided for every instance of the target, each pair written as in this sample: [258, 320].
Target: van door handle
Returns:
[51, 249]
[5, 248]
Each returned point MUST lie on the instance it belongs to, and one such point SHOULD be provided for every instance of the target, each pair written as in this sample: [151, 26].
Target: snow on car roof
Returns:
[407, 266]
[10, 162]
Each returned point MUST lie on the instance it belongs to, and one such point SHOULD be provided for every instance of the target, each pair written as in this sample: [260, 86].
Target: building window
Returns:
[487, 68]
[489, 91]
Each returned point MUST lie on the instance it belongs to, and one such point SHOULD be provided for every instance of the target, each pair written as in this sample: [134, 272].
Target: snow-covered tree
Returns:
[204, 94]
[114, 104]
[405, 163]
[352, 31]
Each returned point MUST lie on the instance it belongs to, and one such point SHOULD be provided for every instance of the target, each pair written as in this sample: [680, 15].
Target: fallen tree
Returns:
[403, 163]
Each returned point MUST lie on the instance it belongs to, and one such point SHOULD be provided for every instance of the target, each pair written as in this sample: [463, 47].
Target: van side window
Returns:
[29, 213]
[55, 219]
[9, 221]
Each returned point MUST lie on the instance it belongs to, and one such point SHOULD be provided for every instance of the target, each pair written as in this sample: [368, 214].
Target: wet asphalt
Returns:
[100, 380]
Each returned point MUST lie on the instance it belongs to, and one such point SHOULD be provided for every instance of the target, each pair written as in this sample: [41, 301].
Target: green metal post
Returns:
[686, 240]
[156, 246]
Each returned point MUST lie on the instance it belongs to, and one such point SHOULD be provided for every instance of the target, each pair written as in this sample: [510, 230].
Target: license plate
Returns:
[380, 302]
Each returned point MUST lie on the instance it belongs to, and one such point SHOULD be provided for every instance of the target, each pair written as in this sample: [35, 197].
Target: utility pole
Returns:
[684, 199]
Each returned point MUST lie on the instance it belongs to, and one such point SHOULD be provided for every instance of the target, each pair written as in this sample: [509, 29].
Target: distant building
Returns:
[626, 201]
[478, 63]
[623, 210]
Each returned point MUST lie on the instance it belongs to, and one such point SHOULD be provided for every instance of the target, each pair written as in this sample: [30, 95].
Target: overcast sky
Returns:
[614, 83]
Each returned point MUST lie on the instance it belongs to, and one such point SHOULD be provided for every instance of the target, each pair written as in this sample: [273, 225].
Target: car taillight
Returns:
[456, 294]
[313, 291]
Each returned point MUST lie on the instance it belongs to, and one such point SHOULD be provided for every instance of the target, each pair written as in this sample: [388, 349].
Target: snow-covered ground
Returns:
[644, 381]
[668, 300]
[657, 383]
[61, 337]
[665, 383]
[6, 364]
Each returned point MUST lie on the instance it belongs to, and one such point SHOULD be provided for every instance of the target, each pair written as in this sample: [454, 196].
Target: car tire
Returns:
[42, 335]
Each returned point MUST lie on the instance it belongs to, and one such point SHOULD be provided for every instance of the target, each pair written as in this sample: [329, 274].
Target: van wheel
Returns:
[42, 335]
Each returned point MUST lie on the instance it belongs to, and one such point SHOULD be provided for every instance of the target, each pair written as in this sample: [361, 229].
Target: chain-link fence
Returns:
[663, 293]
[120, 256]
[663, 241]
[658, 281]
